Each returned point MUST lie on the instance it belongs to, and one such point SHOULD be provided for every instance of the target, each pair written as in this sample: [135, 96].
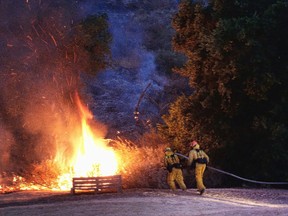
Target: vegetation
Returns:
[237, 67]
[141, 167]
[93, 39]
[45, 47]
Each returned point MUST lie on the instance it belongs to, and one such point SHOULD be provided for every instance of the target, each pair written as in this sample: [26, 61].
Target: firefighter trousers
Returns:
[199, 172]
[176, 175]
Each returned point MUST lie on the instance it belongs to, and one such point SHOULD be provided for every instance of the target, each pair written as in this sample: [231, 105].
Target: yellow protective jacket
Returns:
[195, 154]
[171, 159]
[173, 165]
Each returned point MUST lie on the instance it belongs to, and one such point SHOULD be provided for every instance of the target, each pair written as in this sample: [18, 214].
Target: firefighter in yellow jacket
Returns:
[173, 165]
[200, 159]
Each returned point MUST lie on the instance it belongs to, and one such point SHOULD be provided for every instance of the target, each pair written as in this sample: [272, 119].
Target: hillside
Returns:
[131, 95]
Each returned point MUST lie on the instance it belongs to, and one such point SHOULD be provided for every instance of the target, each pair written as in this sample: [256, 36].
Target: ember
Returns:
[47, 135]
[92, 157]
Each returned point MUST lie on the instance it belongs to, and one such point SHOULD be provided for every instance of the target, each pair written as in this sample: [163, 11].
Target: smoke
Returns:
[39, 77]
[118, 89]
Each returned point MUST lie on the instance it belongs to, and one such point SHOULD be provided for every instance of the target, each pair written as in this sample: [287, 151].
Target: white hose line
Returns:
[238, 177]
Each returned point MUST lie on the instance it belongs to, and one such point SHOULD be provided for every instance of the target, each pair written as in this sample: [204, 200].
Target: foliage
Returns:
[182, 126]
[237, 66]
[166, 60]
[45, 174]
[153, 18]
[141, 167]
[94, 37]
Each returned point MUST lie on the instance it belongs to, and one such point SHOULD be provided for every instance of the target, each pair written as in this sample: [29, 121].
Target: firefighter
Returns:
[174, 167]
[199, 159]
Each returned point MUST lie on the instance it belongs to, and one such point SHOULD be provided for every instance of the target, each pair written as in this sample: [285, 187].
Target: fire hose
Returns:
[238, 177]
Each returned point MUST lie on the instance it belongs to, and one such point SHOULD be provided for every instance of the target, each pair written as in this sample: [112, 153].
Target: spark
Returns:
[53, 39]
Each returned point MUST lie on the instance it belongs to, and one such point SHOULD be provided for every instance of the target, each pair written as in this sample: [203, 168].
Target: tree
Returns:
[93, 41]
[237, 66]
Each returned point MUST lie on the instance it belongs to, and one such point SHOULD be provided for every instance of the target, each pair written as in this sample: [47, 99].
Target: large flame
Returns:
[92, 156]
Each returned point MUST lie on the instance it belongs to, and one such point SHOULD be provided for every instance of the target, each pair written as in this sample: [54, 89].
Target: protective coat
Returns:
[175, 174]
[194, 154]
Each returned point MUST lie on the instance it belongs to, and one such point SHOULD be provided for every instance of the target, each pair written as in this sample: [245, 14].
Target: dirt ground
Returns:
[156, 202]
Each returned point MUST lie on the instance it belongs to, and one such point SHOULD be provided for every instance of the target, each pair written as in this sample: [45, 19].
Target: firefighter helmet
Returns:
[167, 149]
[194, 143]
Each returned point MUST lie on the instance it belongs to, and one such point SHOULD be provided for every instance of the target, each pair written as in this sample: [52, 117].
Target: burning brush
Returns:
[91, 157]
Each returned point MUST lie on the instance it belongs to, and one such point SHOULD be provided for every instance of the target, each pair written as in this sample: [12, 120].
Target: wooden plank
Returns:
[85, 186]
[79, 184]
[83, 178]
[85, 181]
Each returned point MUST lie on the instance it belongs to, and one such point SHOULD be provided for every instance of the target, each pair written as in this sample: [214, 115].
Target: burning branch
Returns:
[53, 39]
[136, 111]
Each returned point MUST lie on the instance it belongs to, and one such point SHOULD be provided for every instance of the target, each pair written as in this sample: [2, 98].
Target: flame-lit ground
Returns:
[224, 202]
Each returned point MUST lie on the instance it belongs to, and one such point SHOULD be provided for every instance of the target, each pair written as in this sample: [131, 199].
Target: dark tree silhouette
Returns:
[237, 55]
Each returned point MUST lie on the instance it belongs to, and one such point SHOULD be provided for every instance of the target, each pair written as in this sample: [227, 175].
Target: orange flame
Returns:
[92, 155]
